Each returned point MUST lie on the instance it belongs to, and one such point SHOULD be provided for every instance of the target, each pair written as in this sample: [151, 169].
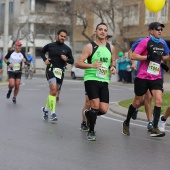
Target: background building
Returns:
[35, 22]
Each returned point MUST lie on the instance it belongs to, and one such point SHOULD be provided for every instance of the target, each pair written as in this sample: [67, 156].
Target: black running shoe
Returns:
[57, 99]
[53, 117]
[125, 130]
[84, 127]
[14, 100]
[8, 94]
[91, 136]
[157, 133]
[45, 113]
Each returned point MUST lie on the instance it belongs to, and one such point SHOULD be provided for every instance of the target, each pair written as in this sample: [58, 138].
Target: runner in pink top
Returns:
[142, 73]
[150, 51]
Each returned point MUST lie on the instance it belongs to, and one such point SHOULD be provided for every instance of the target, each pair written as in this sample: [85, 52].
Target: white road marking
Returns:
[117, 120]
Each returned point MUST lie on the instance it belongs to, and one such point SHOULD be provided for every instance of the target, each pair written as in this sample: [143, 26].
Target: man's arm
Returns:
[70, 58]
[113, 60]
[6, 59]
[43, 52]
[133, 66]
[136, 56]
[87, 51]
[166, 57]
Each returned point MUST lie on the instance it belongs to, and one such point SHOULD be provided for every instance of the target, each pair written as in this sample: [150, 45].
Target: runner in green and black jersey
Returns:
[100, 64]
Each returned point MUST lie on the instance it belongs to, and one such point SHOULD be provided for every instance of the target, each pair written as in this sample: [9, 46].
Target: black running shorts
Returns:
[14, 75]
[50, 75]
[97, 89]
[142, 85]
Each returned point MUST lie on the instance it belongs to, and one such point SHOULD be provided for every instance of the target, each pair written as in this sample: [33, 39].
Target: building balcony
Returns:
[45, 19]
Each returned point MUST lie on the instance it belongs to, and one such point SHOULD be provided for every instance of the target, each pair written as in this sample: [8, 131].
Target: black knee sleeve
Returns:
[157, 112]
[101, 113]
[130, 113]
[92, 118]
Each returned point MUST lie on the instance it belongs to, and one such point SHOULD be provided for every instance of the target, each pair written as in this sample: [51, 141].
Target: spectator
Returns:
[120, 67]
[123, 68]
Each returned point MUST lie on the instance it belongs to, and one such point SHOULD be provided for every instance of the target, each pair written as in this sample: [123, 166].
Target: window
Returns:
[40, 5]
[44, 29]
[11, 8]
[131, 15]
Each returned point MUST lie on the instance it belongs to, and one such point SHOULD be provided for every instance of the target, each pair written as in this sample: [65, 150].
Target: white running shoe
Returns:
[161, 125]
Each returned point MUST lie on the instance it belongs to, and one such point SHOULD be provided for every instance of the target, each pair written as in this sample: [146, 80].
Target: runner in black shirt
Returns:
[59, 54]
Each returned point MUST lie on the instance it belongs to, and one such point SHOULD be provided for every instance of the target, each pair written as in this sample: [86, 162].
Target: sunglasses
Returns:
[158, 29]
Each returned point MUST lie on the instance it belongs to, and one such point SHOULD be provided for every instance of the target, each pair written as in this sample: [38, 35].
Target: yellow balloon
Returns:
[154, 5]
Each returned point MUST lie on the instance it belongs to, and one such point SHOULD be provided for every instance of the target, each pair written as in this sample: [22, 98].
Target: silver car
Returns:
[77, 72]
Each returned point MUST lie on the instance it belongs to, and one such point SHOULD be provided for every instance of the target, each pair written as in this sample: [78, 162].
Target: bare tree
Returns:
[111, 12]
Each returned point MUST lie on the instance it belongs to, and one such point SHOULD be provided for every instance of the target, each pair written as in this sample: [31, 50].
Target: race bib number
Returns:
[57, 72]
[16, 67]
[153, 68]
[102, 72]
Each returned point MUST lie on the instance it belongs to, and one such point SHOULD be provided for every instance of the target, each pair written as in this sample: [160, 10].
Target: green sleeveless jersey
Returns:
[103, 55]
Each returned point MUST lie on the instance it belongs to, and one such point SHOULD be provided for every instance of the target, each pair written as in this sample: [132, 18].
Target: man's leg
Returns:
[59, 84]
[10, 87]
[84, 126]
[52, 101]
[148, 109]
[157, 95]
[11, 84]
[162, 120]
[16, 90]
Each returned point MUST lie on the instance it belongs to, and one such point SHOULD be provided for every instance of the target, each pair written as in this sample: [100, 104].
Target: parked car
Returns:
[77, 72]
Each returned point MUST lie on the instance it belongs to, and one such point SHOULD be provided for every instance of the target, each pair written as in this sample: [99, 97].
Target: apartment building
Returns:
[35, 23]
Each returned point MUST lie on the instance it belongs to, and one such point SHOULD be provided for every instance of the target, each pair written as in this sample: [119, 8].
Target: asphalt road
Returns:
[29, 143]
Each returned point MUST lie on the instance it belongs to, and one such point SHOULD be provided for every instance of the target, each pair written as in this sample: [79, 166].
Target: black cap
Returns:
[154, 25]
[109, 36]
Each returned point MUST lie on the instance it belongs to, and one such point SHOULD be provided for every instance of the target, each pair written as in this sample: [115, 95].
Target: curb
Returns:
[117, 109]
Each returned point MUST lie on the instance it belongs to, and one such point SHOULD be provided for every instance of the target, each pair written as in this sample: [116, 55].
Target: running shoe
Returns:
[45, 113]
[134, 116]
[161, 125]
[150, 126]
[14, 100]
[57, 99]
[157, 133]
[87, 118]
[53, 117]
[84, 127]
[91, 136]
[125, 129]
[8, 94]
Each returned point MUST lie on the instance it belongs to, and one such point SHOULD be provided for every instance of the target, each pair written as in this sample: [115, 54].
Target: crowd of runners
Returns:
[99, 61]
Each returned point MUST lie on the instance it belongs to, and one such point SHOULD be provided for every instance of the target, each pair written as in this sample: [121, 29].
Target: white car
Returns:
[77, 72]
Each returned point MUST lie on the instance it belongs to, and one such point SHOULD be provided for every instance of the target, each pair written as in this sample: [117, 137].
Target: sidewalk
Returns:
[117, 109]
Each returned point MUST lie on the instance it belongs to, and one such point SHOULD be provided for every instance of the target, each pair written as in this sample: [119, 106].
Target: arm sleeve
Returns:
[70, 59]
[43, 52]
[134, 45]
[166, 48]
